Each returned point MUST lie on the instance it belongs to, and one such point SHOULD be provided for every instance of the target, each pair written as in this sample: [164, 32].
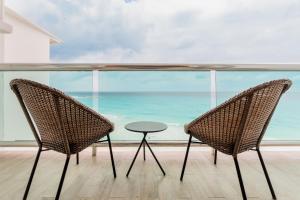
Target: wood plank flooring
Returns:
[93, 179]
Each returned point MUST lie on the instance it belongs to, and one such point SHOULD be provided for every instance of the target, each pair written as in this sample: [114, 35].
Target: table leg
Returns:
[94, 150]
[155, 157]
[144, 150]
[136, 155]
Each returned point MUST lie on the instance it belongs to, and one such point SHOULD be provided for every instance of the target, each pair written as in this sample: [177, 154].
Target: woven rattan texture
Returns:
[239, 124]
[62, 123]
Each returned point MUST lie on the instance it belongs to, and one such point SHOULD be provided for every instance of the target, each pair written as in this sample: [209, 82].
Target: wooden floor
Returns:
[93, 179]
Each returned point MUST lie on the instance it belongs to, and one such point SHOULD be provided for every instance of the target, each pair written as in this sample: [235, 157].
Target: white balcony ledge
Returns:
[5, 28]
[149, 66]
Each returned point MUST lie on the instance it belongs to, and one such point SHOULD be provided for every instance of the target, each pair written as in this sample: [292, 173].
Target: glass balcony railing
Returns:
[285, 121]
[173, 95]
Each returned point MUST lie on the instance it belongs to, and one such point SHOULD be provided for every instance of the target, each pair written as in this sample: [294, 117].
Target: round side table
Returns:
[145, 127]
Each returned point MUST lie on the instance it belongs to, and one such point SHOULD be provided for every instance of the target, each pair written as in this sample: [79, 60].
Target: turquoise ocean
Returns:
[177, 108]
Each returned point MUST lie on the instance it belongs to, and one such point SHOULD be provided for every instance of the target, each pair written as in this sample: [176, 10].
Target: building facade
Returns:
[21, 41]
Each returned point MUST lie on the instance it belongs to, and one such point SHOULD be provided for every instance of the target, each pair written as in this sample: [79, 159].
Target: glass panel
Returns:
[14, 125]
[285, 122]
[76, 84]
[174, 98]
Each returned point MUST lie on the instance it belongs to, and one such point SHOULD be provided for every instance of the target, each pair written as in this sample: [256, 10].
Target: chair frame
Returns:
[40, 143]
[40, 150]
[237, 167]
[241, 128]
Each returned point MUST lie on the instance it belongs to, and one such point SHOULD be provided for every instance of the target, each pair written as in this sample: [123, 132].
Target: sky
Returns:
[173, 31]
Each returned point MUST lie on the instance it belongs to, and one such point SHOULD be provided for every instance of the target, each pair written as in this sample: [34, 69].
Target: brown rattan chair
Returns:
[239, 124]
[59, 123]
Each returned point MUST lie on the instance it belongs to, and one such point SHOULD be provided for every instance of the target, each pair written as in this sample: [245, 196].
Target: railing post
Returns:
[213, 89]
[96, 90]
[95, 100]
[213, 93]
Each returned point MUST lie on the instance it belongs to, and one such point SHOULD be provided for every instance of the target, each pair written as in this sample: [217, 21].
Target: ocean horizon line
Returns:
[159, 92]
[137, 92]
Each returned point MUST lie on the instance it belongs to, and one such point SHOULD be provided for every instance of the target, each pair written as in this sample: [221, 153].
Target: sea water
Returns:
[177, 109]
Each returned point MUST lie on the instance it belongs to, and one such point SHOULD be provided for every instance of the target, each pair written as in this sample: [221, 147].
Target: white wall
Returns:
[1, 47]
[25, 44]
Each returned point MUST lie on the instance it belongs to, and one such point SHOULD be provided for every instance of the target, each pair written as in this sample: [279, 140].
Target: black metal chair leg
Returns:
[32, 173]
[111, 156]
[185, 158]
[215, 157]
[62, 178]
[136, 155]
[266, 174]
[145, 141]
[77, 158]
[144, 151]
[240, 177]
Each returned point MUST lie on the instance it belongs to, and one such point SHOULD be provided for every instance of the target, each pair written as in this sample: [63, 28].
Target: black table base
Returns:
[144, 143]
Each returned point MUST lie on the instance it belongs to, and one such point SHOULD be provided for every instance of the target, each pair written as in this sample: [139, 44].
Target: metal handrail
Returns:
[149, 67]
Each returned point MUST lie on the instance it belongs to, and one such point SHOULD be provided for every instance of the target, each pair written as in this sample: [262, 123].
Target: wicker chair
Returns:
[239, 124]
[59, 123]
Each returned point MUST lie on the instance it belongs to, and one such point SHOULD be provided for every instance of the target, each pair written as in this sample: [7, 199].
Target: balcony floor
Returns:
[93, 179]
